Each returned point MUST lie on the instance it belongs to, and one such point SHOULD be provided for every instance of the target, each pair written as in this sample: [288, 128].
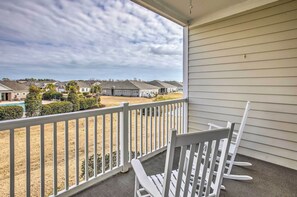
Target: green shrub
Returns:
[33, 102]
[56, 108]
[11, 112]
[50, 95]
[99, 163]
[87, 103]
[74, 99]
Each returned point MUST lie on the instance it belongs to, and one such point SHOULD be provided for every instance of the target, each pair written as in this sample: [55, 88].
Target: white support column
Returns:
[124, 135]
[186, 75]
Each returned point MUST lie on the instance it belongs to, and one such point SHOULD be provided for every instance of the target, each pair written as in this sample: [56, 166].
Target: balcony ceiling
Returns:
[203, 11]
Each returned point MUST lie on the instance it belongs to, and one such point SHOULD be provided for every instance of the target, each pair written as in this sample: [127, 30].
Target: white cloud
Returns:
[86, 34]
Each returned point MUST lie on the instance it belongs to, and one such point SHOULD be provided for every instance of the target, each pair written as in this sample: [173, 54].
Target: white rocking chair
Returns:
[234, 148]
[200, 182]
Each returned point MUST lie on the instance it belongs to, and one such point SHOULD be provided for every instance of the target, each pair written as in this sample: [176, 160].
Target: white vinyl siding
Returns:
[251, 56]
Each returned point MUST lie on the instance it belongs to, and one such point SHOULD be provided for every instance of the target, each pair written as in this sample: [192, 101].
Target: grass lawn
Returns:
[20, 147]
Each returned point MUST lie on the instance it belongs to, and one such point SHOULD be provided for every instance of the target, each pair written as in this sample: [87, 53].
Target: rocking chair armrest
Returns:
[143, 179]
[215, 126]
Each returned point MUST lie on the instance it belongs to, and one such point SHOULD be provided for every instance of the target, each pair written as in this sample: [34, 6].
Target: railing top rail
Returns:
[19, 123]
[156, 104]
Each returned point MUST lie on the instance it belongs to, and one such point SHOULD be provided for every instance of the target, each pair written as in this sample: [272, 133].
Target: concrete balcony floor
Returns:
[269, 180]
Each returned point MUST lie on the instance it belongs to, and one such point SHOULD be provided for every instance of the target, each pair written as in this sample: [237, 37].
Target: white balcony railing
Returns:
[62, 150]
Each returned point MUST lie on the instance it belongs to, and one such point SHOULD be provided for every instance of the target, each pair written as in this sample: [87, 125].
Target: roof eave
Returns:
[164, 11]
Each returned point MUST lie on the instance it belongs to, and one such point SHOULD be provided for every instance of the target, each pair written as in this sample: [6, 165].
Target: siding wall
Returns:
[249, 57]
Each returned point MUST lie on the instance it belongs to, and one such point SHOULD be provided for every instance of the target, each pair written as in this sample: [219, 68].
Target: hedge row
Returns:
[11, 112]
[50, 95]
[87, 103]
[56, 108]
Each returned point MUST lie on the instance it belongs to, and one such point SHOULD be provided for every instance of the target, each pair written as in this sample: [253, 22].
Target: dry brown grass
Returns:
[20, 145]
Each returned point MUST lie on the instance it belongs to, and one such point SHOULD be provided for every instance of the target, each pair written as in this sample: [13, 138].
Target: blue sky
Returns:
[84, 39]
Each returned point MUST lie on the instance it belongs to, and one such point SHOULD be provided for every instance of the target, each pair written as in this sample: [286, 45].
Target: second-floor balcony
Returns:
[88, 153]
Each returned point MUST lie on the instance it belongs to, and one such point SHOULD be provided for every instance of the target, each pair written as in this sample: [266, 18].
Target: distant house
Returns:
[60, 87]
[128, 88]
[17, 91]
[177, 84]
[83, 86]
[164, 88]
[5, 93]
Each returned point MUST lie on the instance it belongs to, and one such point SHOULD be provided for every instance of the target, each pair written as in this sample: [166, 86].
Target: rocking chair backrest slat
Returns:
[197, 167]
[195, 175]
[212, 165]
[180, 172]
[193, 148]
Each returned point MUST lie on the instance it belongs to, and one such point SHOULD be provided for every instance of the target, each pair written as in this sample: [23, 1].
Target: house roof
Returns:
[122, 85]
[4, 88]
[127, 85]
[83, 84]
[143, 85]
[15, 85]
[174, 83]
[161, 84]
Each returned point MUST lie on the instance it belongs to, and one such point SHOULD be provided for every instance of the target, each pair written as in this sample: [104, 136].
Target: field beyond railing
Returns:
[55, 155]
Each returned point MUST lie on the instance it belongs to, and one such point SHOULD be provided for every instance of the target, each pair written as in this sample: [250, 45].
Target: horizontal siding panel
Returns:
[250, 41]
[289, 163]
[270, 10]
[292, 127]
[245, 89]
[201, 124]
[269, 149]
[281, 63]
[288, 136]
[282, 45]
[271, 141]
[278, 108]
[276, 81]
[252, 114]
[289, 53]
[281, 72]
[247, 97]
[255, 24]
[285, 26]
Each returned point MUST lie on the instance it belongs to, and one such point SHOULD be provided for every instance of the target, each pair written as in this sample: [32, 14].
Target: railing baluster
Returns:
[86, 149]
[180, 118]
[163, 124]
[171, 117]
[28, 169]
[11, 162]
[159, 127]
[130, 135]
[41, 160]
[77, 152]
[167, 123]
[146, 130]
[141, 132]
[111, 142]
[176, 115]
[95, 145]
[103, 143]
[55, 178]
[135, 133]
[66, 156]
[118, 140]
[155, 130]
[151, 128]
